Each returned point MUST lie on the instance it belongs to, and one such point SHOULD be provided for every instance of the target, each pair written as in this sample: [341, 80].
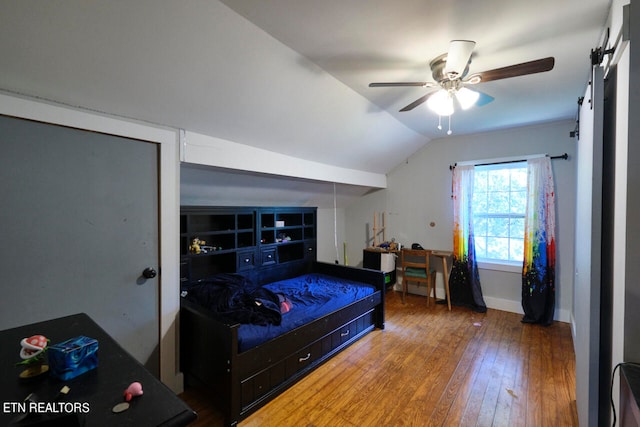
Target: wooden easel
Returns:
[376, 230]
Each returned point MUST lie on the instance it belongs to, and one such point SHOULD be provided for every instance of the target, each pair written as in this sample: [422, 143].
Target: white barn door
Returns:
[588, 253]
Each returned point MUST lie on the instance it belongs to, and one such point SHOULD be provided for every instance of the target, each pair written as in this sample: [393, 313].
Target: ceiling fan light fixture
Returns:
[467, 97]
[441, 103]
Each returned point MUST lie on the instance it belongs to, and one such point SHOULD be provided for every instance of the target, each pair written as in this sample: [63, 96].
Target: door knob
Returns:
[149, 273]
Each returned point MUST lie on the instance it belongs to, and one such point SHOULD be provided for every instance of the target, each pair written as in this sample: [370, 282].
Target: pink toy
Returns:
[134, 389]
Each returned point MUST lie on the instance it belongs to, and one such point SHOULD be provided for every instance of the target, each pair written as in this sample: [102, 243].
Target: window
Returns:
[499, 203]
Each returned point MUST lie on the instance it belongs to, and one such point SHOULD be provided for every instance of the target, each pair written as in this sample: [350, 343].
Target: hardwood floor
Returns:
[431, 367]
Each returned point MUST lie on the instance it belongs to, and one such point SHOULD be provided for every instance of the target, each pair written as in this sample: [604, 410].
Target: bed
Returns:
[245, 365]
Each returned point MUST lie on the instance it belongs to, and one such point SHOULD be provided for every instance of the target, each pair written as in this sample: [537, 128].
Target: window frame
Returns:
[501, 263]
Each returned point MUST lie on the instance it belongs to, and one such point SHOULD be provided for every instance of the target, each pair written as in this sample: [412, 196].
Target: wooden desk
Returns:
[97, 390]
[443, 255]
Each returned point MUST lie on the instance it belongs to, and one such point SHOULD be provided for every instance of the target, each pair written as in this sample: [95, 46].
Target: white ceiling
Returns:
[386, 41]
[292, 76]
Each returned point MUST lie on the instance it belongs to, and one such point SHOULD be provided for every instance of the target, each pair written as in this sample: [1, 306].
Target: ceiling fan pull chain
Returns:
[439, 122]
[449, 131]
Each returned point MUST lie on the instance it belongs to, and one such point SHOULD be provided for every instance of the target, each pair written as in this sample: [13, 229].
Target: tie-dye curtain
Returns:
[538, 272]
[464, 281]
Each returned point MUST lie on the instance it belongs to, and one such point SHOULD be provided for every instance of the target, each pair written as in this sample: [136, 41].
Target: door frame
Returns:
[169, 204]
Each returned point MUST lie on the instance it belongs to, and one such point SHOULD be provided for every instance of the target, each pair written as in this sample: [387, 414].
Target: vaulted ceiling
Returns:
[394, 41]
[291, 76]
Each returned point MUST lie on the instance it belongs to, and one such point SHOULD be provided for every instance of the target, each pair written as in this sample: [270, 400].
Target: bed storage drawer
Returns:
[258, 385]
[351, 330]
[342, 335]
[303, 358]
[262, 383]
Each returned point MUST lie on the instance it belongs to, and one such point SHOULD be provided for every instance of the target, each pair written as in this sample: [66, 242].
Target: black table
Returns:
[95, 392]
[629, 395]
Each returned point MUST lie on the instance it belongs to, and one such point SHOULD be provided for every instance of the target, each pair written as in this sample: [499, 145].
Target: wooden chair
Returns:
[415, 268]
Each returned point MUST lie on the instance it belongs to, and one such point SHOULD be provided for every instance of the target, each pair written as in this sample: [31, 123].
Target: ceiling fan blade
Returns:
[417, 102]
[458, 57]
[531, 67]
[401, 84]
[483, 99]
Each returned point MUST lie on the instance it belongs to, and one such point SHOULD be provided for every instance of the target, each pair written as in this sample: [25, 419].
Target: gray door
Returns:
[79, 224]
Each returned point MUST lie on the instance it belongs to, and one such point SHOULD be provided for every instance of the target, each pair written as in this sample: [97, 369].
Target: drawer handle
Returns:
[247, 260]
[302, 359]
[344, 334]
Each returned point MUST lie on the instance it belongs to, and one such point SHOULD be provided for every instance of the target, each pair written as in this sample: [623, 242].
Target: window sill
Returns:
[500, 266]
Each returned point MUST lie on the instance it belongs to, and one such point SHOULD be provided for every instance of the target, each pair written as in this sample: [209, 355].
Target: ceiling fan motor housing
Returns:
[437, 69]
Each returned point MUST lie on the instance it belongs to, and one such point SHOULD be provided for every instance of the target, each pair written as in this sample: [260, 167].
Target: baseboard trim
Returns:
[511, 306]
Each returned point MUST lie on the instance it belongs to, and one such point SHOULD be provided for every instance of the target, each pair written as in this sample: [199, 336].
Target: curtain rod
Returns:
[564, 156]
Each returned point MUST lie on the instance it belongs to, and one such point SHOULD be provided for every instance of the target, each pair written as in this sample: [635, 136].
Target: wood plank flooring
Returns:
[431, 367]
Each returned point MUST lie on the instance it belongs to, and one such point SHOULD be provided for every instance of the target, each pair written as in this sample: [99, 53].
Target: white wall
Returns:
[419, 192]
[327, 223]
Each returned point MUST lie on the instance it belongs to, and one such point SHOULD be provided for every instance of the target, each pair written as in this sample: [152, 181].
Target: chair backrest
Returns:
[414, 260]
[418, 257]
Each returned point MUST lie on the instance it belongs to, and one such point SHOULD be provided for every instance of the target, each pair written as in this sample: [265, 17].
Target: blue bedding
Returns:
[311, 296]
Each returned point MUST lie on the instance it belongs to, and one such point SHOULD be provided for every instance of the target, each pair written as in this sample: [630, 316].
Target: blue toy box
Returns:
[73, 357]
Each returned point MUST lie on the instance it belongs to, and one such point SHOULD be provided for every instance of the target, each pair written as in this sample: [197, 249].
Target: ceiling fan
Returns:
[451, 73]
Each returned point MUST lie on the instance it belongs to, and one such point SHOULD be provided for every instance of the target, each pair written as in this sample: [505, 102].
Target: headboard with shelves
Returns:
[261, 243]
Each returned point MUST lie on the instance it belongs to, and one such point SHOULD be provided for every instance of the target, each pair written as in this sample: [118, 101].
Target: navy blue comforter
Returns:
[259, 309]
[312, 296]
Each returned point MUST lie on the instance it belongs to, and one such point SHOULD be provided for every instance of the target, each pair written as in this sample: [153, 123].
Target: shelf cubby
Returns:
[244, 239]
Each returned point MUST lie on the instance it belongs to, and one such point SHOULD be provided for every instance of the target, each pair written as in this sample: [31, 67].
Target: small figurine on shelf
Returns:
[389, 246]
[393, 246]
[32, 353]
[282, 237]
[195, 247]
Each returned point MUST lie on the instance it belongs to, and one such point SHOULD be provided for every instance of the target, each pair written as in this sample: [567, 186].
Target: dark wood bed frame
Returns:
[241, 383]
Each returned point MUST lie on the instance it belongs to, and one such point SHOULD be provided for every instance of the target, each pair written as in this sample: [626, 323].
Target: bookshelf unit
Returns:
[244, 239]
